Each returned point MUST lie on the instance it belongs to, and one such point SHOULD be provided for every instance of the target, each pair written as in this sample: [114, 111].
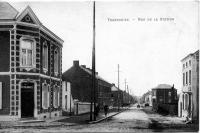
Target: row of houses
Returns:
[165, 97]
[31, 79]
[80, 78]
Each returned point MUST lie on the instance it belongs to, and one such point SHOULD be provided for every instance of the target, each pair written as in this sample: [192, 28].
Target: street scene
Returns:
[94, 66]
[132, 119]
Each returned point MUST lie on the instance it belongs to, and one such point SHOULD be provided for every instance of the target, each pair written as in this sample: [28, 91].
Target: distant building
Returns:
[189, 98]
[165, 99]
[80, 78]
[116, 96]
[30, 68]
[148, 98]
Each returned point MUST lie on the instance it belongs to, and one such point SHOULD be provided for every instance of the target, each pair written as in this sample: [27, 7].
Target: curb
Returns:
[97, 121]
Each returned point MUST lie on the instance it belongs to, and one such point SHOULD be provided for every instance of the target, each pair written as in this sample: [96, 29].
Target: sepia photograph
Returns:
[99, 66]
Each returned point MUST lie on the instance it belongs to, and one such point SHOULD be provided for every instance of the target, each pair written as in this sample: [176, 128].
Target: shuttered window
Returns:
[45, 56]
[45, 96]
[56, 95]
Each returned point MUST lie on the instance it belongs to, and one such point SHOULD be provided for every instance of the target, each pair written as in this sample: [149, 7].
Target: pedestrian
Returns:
[106, 110]
[97, 109]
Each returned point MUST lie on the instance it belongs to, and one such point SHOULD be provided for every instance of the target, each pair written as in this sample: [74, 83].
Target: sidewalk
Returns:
[59, 121]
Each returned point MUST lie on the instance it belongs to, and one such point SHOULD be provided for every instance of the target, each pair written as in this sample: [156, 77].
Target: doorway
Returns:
[27, 100]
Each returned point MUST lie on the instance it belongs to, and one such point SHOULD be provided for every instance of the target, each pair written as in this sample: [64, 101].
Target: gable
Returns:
[28, 16]
[27, 19]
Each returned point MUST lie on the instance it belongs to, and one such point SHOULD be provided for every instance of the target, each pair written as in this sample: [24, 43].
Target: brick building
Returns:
[164, 99]
[189, 97]
[30, 69]
[80, 78]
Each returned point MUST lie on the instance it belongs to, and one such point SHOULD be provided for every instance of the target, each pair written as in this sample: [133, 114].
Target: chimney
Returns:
[76, 63]
[173, 86]
[84, 66]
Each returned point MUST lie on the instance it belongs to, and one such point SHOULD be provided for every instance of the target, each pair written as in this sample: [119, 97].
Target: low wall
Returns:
[81, 108]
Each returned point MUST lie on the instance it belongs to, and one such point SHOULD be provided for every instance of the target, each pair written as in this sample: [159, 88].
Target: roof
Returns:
[7, 11]
[163, 86]
[90, 72]
[191, 54]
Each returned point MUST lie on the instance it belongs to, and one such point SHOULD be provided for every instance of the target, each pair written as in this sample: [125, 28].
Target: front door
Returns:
[27, 100]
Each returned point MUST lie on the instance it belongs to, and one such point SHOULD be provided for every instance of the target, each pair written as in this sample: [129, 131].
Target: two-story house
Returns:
[189, 98]
[30, 68]
[164, 99]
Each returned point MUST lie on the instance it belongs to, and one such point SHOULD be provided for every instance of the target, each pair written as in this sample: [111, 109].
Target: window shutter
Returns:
[1, 95]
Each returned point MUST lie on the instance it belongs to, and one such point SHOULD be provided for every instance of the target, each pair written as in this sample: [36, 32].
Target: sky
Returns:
[132, 34]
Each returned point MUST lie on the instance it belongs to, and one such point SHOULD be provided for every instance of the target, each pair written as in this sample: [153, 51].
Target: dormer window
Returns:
[45, 56]
[56, 61]
[27, 52]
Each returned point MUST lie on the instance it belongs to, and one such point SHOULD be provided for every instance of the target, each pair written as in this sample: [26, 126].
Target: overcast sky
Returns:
[148, 52]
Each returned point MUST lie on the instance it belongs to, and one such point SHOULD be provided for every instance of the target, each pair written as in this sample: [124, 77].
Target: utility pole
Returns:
[125, 91]
[128, 94]
[93, 100]
[125, 84]
[118, 85]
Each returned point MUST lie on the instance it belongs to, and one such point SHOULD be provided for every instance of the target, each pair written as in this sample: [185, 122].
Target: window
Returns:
[189, 62]
[169, 94]
[186, 78]
[45, 56]
[183, 79]
[189, 76]
[45, 96]
[186, 101]
[27, 52]
[56, 61]
[183, 66]
[56, 95]
[1, 95]
[186, 65]
[65, 101]
[183, 97]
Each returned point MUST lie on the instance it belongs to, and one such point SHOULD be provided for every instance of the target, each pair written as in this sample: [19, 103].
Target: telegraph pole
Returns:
[125, 84]
[93, 100]
[128, 93]
[118, 85]
[125, 96]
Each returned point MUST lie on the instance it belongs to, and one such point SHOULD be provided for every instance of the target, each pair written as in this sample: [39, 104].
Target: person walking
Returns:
[97, 109]
[106, 110]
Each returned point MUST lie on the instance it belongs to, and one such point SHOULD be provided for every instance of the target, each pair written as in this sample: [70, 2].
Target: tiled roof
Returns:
[7, 11]
[163, 86]
[90, 72]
